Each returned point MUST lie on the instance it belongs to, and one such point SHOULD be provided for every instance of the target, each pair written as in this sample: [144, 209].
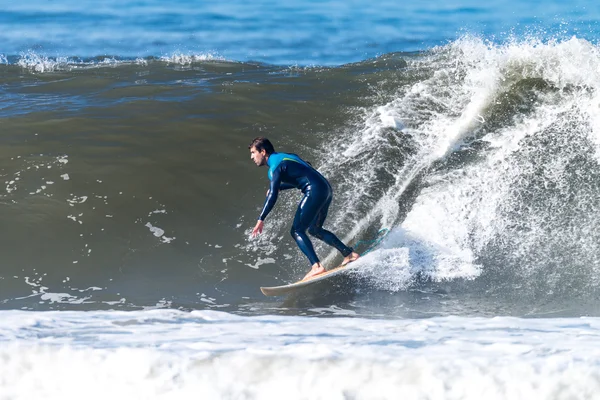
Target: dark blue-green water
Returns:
[468, 129]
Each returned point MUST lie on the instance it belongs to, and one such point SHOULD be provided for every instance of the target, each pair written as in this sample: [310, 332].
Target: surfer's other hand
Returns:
[258, 228]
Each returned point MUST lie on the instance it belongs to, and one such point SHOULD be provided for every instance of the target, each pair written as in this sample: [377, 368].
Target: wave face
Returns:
[128, 183]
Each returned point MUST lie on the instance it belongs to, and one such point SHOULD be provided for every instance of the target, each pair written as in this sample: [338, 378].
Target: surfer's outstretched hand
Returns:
[258, 228]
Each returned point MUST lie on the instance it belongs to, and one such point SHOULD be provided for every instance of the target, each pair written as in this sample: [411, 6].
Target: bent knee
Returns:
[316, 232]
[296, 232]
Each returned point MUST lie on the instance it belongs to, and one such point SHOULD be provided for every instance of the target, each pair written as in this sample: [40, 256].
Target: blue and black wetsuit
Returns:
[287, 171]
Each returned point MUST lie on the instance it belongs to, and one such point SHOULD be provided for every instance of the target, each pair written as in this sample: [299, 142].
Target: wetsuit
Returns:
[287, 171]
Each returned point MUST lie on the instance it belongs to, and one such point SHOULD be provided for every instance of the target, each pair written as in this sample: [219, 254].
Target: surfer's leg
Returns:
[305, 214]
[350, 257]
[316, 230]
[316, 269]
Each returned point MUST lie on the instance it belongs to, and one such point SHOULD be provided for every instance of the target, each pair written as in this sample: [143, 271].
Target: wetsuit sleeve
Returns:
[273, 193]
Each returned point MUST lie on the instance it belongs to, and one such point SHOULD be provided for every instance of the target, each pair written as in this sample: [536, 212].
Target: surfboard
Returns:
[284, 289]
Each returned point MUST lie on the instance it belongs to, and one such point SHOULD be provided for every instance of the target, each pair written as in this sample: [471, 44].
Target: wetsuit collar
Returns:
[269, 159]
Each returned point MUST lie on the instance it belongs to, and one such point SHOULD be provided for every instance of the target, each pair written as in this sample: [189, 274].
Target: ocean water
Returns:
[470, 131]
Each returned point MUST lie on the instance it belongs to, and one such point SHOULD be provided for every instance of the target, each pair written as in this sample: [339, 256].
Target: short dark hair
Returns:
[262, 143]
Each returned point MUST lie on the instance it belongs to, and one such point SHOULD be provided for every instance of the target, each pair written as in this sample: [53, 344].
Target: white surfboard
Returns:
[284, 289]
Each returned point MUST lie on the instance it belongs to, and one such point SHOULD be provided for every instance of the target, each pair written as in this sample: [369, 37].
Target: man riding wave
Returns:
[287, 171]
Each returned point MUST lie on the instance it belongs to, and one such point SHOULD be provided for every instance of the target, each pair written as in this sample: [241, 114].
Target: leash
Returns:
[371, 244]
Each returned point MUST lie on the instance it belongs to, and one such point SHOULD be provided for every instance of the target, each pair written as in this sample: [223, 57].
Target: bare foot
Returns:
[352, 257]
[315, 270]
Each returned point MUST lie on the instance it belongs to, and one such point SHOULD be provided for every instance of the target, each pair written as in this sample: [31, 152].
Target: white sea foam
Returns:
[184, 59]
[166, 354]
[261, 261]
[47, 296]
[159, 233]
[40, 63]
[460, 210]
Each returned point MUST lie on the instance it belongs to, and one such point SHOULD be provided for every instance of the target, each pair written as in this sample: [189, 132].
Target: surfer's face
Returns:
[259, 157]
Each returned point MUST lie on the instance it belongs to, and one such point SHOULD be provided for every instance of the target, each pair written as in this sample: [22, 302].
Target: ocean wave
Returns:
[480, 158]
[40, 63]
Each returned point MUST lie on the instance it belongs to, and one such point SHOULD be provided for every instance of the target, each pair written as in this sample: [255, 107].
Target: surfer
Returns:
[288, 171]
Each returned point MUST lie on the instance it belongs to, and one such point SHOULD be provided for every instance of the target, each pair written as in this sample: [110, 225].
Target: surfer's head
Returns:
[260, 150]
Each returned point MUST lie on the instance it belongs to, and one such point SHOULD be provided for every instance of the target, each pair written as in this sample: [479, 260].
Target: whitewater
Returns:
[166, 354]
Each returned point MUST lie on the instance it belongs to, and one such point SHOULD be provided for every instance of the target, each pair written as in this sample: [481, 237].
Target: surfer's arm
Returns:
[283, 186]
[271, 195]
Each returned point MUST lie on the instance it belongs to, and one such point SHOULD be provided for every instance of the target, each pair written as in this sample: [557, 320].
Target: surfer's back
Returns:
[294, 171]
